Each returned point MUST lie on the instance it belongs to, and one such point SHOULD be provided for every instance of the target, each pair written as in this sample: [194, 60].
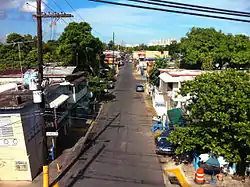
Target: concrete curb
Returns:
[72, 179]
[76, 151]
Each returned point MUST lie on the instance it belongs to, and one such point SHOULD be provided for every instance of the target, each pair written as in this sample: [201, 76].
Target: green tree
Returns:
[77, 44]
[97, 85]
[240, 56]
[174, 48]
[154, 72]
[31, 58]
[206, 48]
[219, 116]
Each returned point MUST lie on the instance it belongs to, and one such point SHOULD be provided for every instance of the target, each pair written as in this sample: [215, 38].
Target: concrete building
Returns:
[110, 55]
[20, 123]
[11, 76]
[170, 83]
[20, 136]
[161, 42]
[53, 73]
[145, 60]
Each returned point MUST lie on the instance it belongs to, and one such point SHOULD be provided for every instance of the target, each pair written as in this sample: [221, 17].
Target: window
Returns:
[170, 86]
[6, 129]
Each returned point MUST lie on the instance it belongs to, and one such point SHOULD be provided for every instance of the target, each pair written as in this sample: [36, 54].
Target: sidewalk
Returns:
[65, 161]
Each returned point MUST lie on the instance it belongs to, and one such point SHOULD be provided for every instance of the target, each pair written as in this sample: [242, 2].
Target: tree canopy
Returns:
[154, 72]
[219, 116]
[206, 48]
[77, 46]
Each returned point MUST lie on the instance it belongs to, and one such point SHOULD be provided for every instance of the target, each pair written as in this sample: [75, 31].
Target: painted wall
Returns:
[14, 162]
[20, 144]
[32, 128]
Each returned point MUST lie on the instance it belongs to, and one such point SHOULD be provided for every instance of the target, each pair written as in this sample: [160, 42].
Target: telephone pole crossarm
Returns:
[53, 15]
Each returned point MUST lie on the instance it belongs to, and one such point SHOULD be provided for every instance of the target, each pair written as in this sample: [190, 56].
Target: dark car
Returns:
[165, 133]
[140, 88]
[164, 147]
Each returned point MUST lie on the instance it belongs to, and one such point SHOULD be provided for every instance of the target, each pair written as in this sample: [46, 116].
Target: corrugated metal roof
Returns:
[68, 70]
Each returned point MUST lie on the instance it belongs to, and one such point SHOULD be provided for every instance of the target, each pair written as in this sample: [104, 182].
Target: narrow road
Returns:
[123, 154]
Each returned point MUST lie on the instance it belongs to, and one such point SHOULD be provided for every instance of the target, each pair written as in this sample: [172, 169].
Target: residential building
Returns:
[21, 137]
[20, 123]
[170, 83]
[110, 55]
[161, 42]
[145, 60]
[52, 73]
[11, 76]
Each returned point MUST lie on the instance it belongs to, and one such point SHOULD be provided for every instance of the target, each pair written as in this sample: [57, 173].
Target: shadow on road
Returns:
[88, 144]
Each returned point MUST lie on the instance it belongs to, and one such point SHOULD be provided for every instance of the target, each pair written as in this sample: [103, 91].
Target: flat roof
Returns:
[8, 99]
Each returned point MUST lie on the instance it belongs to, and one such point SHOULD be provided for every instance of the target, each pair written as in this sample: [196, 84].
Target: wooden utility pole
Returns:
[113, 63]
[39, 15]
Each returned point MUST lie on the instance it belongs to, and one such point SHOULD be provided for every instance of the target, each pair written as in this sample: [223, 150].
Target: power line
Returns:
[184, 7]
[203, 7]
[83, 19]
[48, 6]
[74, 10]
[172, 11]
[60, 8]
[53, 11]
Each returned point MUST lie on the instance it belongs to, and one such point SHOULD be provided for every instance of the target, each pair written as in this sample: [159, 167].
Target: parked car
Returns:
[165, 133]
[164, 147]
[139, 88]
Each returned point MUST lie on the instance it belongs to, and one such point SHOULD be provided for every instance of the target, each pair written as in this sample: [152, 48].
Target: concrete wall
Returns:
[32, 128]
[20, 144]
[14, 162]
[4, 80]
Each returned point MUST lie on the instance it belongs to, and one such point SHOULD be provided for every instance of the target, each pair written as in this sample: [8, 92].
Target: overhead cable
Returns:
[82, 18]
[187, 8]
[202, 7]
[173, 11]
[53, 11]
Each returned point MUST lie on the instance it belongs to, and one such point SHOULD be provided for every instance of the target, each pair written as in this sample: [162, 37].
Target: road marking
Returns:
[179, 176]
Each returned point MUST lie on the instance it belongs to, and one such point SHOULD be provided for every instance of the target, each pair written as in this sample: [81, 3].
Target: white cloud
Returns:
[21, 5]
[137, 25]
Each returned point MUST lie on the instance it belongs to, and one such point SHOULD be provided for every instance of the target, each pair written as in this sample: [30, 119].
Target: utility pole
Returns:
[39, 15]
[20, 59]
[19, 53]
[113, 63]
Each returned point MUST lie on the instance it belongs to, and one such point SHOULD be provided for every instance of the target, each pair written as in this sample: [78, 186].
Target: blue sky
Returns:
[130, 25]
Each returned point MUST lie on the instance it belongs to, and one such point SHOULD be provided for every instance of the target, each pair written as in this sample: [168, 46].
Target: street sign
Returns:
[51, 133]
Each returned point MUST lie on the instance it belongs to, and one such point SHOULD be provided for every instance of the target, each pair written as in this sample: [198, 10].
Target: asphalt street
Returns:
[123, 153]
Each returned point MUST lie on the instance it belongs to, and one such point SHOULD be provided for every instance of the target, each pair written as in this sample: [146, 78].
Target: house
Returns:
[52, 73]
[11, 76]
[110, 56]
[145, 60]
[21, 137]
[171, 81]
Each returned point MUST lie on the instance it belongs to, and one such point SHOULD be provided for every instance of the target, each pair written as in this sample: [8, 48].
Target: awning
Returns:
[176, 116]
[58, 101]
[167, 78]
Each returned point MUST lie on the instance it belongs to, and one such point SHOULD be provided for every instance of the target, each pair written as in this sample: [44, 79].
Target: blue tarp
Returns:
[157, 126]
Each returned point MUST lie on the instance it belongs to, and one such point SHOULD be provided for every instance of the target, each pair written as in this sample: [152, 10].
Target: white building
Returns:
[161, 42]
[170, 83]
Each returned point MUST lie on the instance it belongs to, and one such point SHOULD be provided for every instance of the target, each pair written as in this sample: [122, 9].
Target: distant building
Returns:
[110, 55]
[161, 42]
